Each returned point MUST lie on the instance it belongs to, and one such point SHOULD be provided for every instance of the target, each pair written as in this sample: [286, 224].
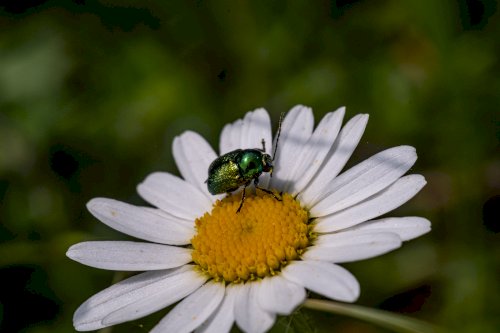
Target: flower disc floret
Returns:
[256, 242]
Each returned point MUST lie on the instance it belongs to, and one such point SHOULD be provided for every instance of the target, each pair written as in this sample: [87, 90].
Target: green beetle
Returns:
[239, 168]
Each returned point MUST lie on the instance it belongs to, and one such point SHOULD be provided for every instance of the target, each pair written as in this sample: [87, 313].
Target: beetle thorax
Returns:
[251, 163]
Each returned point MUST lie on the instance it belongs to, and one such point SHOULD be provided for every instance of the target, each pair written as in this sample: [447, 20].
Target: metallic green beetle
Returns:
[239, 168]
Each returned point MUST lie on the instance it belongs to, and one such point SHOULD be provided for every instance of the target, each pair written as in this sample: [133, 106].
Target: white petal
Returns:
[406, 227]
[315, 150]
[352, 246]
[139, 288]
[256, 126]
[223, 318]
[324, 278]
[230, 137]
[193, 156]
[366, 179]
[279, 295]
[154, 297]
[193, 310]
[129, 256]
[295, 132]
[141, 222]
[385, 201]
[174, 195]
[250, 317]
[336, 158]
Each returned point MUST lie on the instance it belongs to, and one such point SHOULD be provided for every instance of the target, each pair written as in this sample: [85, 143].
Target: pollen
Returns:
[256, 242]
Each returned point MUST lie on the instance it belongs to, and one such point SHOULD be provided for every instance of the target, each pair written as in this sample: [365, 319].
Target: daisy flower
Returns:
[246, 268]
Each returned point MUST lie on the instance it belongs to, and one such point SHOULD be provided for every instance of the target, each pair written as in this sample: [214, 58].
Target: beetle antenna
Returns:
[278, 137]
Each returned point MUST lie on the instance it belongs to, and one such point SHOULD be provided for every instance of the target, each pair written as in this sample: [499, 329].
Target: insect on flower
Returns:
[240, 167]
[223, 268]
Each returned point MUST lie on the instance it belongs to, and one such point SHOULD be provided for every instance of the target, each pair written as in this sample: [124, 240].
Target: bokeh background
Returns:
[93, 92]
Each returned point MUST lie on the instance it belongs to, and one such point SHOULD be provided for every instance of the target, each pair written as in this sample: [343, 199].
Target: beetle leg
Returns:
[269, 192]
[256, 182]
[263, 145]
[242, 197]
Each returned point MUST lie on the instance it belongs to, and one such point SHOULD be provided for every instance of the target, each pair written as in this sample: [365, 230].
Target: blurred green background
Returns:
[93, 92]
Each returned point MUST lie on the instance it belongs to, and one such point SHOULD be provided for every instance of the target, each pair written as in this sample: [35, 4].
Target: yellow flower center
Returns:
[256, 242]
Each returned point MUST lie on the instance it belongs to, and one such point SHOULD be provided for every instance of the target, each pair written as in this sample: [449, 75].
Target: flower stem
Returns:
[392, 321]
